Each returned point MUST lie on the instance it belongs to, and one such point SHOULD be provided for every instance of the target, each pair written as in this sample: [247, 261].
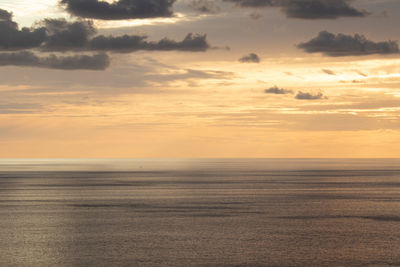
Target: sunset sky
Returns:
[197, 78]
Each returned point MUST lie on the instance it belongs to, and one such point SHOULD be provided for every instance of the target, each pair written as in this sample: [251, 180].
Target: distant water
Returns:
[200, 212]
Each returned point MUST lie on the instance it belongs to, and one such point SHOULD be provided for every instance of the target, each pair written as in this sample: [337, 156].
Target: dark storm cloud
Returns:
[65, 36]
[307, 9]
[204, 6]
[13, 38]
[76, 62]
[308, 96]
[59, 35]
[131, 43]
[347, 45]
[118, 10]
[320, 9]
[251, 58]
[278, 91]
[5, 15]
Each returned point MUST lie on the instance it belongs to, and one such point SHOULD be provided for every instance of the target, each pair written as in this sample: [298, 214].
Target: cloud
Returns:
[278, 91]
[76, 62]
[59, 35]
[204, 6]
[309, 96]
[307, 9]
[19, 108]
[131, 43]
[321, 9]
[119, 10]
[13, 38]
[347, 45]
[251, 58]
[329, 72]
[67, 36]
[5, 15]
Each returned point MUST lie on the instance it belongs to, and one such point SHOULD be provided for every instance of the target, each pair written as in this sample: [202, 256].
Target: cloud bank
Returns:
[59, 35]
[347, 45]
[131, 43]
[307, 9]
[119, 10]
[76, 62]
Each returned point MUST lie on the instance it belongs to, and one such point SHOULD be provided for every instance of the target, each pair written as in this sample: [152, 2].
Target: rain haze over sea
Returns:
[230, 212]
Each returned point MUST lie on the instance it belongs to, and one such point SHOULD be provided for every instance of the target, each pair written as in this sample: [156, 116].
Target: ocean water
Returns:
[219, 212]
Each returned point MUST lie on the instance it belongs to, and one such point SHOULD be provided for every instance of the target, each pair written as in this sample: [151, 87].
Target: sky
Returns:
[199, 79]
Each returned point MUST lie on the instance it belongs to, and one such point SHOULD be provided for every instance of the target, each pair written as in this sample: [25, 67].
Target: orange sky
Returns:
[209, 104]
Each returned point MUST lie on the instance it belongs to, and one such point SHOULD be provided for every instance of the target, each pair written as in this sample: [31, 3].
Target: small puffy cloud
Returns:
[204, 6]
[278, 91]
[329, 72]
[307, 9]
[119, 10]
[251, 58]
[347, 45]
[76, 62]
[309, 96]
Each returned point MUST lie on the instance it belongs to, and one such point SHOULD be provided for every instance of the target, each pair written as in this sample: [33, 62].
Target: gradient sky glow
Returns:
[308, 96]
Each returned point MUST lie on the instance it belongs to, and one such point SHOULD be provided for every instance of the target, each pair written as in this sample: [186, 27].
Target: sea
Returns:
[200, 212]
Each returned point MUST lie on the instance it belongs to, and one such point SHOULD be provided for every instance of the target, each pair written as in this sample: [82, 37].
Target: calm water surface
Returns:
[200, 212]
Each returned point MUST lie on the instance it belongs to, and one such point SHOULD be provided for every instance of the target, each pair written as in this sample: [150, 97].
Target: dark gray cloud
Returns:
[321, 9]
[76, 62]
[59, 35]
[309, 96]
[5, 15]
[131, 43]
[67, 36]
[347, 45]
[118, 10]
[13, 38]
[278, 91]
[251, 58]
[204, 6]
[307, 9]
